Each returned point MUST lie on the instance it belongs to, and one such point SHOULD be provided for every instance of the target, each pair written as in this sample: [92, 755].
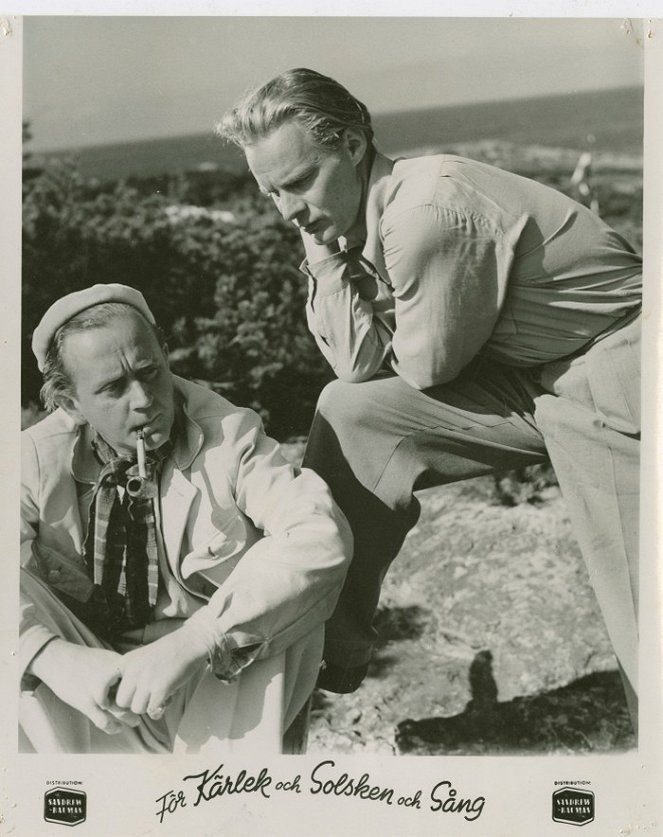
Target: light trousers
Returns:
[206, 716]
[377, 442]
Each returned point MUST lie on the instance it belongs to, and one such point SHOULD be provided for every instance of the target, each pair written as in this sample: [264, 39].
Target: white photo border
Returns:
[122, 791]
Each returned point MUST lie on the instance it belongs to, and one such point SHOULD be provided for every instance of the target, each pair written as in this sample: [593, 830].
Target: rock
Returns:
[485, 615]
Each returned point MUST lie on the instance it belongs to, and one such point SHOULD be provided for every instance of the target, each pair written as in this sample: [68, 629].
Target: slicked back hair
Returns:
[322, 106]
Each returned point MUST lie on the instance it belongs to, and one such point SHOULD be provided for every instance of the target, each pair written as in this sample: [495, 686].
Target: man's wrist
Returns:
[45, 659]
[199, 634]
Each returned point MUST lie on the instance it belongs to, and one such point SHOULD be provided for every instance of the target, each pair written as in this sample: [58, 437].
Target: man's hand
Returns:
[151, 674]
[84, 678]
[317, 252]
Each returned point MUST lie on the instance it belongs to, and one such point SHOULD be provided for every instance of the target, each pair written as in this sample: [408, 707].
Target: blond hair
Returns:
[322, 106]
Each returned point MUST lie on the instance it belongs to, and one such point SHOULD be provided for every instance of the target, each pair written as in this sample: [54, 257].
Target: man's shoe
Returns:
[341, 679]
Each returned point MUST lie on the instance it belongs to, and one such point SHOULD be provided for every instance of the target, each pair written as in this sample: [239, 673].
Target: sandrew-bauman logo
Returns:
[65, 806]
[573, 806]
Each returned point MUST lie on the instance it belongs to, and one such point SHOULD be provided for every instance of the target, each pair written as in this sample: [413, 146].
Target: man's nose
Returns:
[290, 206]
[140, 395]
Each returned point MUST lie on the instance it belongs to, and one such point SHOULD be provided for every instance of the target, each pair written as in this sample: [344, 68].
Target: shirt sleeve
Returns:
[286, 584]
[449, 274]
[352, 336]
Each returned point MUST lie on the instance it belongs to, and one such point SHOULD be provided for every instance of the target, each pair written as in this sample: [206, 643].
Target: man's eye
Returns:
[295, 186]
[302, 182]
[112, 389]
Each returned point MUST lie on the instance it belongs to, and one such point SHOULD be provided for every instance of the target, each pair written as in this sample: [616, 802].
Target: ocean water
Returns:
[606, 120]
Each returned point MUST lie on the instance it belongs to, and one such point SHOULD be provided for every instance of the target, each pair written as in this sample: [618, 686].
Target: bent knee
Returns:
[344, 403]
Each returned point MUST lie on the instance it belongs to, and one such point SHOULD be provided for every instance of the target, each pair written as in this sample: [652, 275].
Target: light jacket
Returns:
[257, 549]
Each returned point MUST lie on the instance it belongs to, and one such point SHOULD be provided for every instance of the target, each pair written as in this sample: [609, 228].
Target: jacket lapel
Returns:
[177, 490]
[177, 496]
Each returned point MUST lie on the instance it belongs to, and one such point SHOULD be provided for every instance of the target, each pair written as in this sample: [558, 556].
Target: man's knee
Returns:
[336, 437]
[344, 404]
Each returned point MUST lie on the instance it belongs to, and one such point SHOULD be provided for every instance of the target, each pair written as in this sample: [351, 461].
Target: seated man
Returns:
[176, 571]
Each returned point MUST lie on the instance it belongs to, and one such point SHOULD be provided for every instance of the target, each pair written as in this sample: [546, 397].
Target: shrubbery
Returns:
[227, 290]
[217, 266]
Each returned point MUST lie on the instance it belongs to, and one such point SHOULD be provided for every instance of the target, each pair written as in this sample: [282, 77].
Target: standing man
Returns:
[176, 571]
[476, 321]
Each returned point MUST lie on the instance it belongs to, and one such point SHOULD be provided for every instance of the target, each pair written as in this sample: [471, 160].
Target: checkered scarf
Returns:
[121, 544]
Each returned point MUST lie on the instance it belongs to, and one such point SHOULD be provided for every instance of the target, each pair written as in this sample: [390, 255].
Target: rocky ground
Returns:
[490, 637]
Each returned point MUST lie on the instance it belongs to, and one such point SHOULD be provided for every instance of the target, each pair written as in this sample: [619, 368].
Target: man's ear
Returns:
[70, 405]
[355, 143]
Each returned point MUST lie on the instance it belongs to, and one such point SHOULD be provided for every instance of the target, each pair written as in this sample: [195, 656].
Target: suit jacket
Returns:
[257, 549]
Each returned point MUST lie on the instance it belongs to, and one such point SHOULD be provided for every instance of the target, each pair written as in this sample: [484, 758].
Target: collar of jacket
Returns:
[85, 467]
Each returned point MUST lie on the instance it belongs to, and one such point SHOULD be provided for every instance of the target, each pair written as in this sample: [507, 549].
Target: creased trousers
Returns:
[207, 716]
[377, 442]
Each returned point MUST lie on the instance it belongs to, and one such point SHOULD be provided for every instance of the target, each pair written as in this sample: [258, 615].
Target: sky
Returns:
[91, 80]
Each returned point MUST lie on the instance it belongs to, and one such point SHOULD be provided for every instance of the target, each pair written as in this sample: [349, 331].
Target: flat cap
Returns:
[68, 306]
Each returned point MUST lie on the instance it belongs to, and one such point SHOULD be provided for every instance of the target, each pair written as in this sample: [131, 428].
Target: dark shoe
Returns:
[295, 737]
[341, 679]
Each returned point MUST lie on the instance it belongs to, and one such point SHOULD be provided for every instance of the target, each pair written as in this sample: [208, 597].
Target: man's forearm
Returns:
[355, 342]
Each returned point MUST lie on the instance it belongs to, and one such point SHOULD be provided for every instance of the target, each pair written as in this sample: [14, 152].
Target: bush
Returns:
[225, 288]
[218, 268]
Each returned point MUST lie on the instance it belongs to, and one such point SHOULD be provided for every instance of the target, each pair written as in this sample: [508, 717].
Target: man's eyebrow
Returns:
[105, 383]
[139, 366]
[300, 175]
[293, 179]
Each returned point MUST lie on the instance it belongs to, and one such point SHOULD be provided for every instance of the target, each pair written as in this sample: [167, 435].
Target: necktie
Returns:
[121, 545]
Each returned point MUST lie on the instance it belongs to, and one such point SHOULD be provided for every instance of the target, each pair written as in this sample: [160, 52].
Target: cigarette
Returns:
[140, 451]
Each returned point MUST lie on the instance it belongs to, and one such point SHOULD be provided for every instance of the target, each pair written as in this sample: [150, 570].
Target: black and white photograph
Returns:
[336, 342]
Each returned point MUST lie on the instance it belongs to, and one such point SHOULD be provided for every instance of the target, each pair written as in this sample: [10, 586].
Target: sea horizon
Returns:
[602, 120]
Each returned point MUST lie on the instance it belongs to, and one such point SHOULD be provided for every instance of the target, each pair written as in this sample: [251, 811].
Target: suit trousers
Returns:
[377, 442]
[263, 711]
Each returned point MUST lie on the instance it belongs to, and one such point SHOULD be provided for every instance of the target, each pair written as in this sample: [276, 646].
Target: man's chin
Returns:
[154, 439]
[325, 236]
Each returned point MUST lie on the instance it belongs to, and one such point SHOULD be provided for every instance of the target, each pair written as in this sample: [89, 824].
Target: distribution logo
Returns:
[573, 806]
[65, 806]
